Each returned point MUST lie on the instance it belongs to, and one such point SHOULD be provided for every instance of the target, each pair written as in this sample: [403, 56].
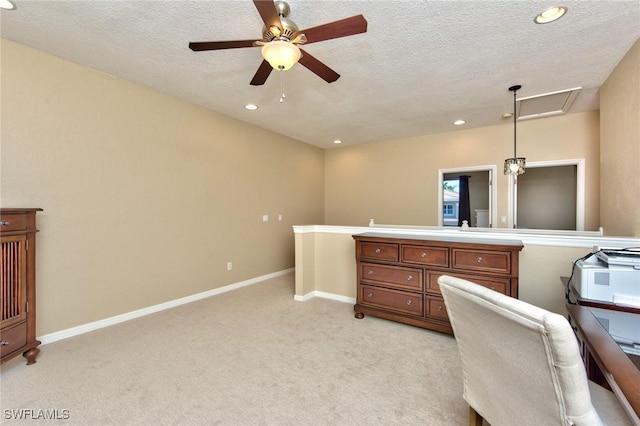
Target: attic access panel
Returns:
[546, 104]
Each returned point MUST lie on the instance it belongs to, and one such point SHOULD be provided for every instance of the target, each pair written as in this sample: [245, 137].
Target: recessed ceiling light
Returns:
[459, 122]
[507, 115]
[550, 15]
[7, 4]
[337, 141]
[251, 107]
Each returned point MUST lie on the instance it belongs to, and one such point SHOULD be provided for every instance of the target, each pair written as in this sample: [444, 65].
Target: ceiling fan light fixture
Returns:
[281, 54]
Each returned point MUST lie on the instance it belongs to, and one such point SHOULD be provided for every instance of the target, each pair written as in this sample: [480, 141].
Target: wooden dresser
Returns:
[18, 284]
[398, 275]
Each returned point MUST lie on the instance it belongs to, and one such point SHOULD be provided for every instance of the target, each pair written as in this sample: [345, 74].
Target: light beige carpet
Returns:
[253, 356]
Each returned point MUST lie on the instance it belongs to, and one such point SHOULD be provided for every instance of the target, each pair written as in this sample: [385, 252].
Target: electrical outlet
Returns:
[229, 266]
[280, 218]
[503, 219]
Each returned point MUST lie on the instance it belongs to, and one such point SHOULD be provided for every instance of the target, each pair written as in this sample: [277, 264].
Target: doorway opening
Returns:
[550, 195]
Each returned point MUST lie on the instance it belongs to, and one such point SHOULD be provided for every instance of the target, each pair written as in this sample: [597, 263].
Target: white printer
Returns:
[609, 276]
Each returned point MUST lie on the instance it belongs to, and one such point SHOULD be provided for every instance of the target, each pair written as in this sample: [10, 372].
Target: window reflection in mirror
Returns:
[450, 201]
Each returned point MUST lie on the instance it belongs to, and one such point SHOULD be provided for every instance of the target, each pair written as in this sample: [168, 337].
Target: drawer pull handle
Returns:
[370, 295]
[439, 308]
[423, 255]
[409, 302]
[410, 277]
[479, 260]
[4, 222]
[378, 250]
[370, 272]
[4, 343]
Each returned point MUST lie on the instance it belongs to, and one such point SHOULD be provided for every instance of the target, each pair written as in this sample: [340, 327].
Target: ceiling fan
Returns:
[280, 40]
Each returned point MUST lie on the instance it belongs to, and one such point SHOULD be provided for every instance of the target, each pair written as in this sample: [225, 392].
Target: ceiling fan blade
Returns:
[268, 13]
[318, 68]
[342, 28]
[200, 46]
[262, 74]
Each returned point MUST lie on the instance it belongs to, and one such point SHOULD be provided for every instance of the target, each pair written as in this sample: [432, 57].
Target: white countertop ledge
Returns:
[542, 237]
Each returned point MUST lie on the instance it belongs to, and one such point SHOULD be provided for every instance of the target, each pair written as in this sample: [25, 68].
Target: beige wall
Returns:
[620, 147]
[396, 182]
[146, 198]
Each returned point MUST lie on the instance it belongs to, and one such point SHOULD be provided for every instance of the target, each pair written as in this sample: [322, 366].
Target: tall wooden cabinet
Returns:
[398, 275]
[18, 284]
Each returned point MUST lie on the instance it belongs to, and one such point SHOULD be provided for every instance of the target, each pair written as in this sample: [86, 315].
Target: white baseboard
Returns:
[323, 295]
[85, 328]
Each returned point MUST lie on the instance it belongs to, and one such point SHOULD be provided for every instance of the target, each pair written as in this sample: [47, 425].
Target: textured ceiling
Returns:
[420, 66]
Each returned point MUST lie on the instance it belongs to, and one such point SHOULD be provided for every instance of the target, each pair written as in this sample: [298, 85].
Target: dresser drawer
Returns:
[392, 276]
[395, 300]
[379, 251]
[13, 222]
[482, 260]
[500, 285]
[13, 338]
[436, 308]
[431, 256]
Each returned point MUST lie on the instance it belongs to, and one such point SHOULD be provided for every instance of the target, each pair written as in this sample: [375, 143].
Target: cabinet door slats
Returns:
[12, 280]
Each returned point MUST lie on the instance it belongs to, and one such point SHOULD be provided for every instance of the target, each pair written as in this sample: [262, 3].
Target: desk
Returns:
[605, 361]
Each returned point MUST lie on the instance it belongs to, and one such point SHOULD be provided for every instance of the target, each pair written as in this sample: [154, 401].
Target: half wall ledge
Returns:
[325, 264]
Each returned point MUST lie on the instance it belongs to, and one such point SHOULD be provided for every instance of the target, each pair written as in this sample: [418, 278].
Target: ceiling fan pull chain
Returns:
[282, 95]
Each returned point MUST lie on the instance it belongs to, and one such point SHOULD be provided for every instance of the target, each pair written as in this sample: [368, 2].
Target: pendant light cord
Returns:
[514, 89]
[514, 123]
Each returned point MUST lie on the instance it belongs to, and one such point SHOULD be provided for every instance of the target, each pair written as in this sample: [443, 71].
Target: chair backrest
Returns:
[521, 364]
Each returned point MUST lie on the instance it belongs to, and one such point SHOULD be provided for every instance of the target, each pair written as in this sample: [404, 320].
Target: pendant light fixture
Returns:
[515, 165]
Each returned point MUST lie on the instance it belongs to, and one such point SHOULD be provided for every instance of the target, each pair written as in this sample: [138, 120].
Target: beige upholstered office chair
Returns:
[521, 364]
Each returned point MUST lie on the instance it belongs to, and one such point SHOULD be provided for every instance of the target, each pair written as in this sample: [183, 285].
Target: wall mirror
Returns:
[479, 202]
